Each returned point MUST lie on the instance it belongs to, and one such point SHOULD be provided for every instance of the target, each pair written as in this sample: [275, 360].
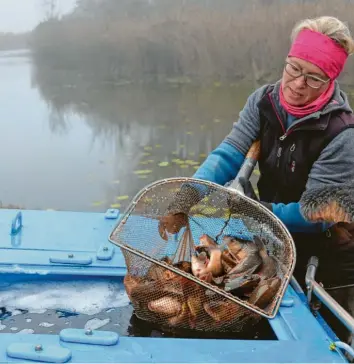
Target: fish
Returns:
[199, 264]
[131, 282]
[218, 281]
[194, 303]
[233, 245]
[195, 295]
[181, 317]
[172, 224]
[168, 306]
[212, 263]
[199, 267]
[242, 284]
[269, 264]
[145, 292]
[246, 253]
[207, 277]
[192, 299]
[195, 300]
[184, 266]
[265, 292]
[228, 261]
[205, 268]
[157, 272]
[221, 311]
[207, 241]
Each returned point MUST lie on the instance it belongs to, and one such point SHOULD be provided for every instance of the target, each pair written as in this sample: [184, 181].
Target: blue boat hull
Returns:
[66, 246]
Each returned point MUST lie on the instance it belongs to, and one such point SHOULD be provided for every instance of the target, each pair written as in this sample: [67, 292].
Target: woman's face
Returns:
[295, 89]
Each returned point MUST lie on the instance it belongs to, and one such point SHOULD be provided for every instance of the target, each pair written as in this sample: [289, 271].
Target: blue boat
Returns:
[58, 245]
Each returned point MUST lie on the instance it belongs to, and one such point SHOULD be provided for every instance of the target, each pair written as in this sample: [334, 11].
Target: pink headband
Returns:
[320, 50]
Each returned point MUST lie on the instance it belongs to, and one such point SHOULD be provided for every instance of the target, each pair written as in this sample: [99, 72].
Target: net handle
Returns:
[248, 165]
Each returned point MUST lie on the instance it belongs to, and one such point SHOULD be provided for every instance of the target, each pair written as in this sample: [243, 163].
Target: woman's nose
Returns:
[300, 81]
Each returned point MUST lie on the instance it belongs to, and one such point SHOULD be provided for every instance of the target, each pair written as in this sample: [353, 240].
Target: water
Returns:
[69, 144]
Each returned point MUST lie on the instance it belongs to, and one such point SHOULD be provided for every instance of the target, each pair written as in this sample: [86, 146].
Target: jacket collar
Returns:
[270, 106]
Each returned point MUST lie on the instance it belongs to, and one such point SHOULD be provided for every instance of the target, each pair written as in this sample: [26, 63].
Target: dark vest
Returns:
[285, 163]
[287, 157]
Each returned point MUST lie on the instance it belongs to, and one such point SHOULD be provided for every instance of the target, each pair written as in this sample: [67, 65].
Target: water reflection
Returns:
[73, 144]
[77, 145]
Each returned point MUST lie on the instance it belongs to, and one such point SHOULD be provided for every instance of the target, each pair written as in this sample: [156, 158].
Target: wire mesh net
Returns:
[201, 256]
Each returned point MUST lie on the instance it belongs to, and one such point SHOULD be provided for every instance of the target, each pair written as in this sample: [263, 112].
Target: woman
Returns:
[306, 129]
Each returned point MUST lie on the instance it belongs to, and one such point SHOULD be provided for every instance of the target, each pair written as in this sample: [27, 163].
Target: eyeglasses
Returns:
[310, 80]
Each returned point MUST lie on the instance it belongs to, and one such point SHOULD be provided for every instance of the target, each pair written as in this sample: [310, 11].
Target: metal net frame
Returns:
[159, 280]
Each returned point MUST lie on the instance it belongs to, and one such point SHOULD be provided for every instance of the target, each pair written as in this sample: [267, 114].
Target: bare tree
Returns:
[50, 8]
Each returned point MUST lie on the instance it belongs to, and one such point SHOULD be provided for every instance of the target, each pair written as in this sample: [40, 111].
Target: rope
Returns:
[339, 287]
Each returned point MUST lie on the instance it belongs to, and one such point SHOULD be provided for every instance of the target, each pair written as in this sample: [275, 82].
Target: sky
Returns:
[23, 15]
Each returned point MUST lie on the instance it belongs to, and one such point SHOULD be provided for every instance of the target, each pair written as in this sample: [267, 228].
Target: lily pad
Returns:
[143, 171]
[149, 161]
[210, 210]
[122, 198]
[199, 215]
[163, 164]
[191, 162]
[98, 203]
[178, 161]
[115, 205]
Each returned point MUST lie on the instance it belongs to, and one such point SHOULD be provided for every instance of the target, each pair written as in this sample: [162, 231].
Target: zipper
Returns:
[285, 132]
[280, 149]
[276, 112]
[291, 162]
[279, 152]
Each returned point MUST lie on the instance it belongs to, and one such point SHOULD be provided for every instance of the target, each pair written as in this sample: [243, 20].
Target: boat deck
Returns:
[49, 244]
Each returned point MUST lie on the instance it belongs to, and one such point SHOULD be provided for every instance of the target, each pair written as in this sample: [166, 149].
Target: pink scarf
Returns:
[316, 105]
[326, 54]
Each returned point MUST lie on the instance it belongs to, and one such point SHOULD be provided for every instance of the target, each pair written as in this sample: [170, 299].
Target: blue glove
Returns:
[289, 214]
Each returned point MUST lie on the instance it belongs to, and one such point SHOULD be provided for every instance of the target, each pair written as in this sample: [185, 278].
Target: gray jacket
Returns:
[336, 161]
